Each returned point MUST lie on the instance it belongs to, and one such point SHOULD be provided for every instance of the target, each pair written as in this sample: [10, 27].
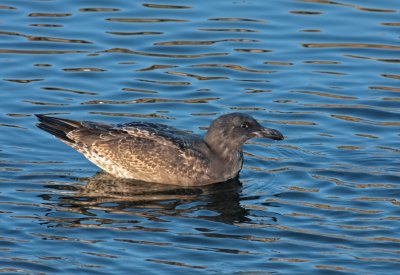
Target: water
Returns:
[323, 201]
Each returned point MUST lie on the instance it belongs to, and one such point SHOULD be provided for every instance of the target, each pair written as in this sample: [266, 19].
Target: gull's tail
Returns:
[57, 126]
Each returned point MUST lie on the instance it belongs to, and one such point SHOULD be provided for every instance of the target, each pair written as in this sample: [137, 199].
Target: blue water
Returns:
[323, 201]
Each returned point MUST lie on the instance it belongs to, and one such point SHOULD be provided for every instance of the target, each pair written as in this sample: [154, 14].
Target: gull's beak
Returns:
[268, 133]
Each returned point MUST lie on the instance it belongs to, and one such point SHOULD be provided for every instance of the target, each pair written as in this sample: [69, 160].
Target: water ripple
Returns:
[46, 39]
[324, 73]
[145, 20]
[127, 51]
[351, 45]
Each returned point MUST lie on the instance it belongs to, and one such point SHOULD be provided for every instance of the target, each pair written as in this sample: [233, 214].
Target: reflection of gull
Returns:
[159, 153]
[220, 202]
[105, 187]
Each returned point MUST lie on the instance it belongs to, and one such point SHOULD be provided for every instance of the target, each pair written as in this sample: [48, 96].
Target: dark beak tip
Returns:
[277, 137]
[271, 134]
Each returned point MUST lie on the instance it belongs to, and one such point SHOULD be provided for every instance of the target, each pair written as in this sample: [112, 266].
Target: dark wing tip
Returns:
[56, 126]
[40, 117]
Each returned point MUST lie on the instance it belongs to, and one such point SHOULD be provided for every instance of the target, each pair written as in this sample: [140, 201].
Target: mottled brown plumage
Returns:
[159, 153]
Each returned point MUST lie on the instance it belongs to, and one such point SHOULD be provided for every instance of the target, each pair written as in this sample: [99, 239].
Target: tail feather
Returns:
[57, 126]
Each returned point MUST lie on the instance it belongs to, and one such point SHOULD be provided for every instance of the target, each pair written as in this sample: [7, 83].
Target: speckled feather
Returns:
[138, 150]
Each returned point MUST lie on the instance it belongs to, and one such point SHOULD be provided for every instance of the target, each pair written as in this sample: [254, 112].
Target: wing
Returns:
[146, 151]
[160, 133]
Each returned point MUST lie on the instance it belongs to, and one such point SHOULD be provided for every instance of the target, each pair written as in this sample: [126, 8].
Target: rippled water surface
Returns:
[323, 201]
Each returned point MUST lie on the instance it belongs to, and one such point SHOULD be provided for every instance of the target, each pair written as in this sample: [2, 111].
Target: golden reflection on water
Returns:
[55, 39]
[5, 51]
[153, 100]
[98, 9]
[361, 8]
[42, 65]
[235, 19]
[46, 39]
[7, 8]
[159, 6]
[339, 182]
[156, 67]
[323, 94]
[134, 33]
[232, 67]
[253, 50]
[127, 51]
[391, 24]
[145, 20]
[43, 14]
[322, 62]
[170, 83]
[24, 81]
[392, 76]
[254, 91]
[45, 103]
[47, 25]
[84, 70]
[306, 12]
[139, 90]
[12, 126]
[389, 60]
[203, 43]
[385, 88]
[351, 45]
[198, 77]
[58, 89]
[227, 30]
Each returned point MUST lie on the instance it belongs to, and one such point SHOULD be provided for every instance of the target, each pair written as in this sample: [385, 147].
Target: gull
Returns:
[159, 153]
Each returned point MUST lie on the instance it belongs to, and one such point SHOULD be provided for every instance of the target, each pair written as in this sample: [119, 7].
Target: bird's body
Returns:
[159, 153]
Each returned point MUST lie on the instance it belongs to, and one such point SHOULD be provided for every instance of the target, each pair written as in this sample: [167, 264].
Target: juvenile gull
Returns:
[159, 153]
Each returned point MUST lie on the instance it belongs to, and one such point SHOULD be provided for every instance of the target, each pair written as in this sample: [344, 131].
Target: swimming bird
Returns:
[158, 153]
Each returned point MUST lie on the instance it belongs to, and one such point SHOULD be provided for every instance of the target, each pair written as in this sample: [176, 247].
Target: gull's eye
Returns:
[244, 125]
